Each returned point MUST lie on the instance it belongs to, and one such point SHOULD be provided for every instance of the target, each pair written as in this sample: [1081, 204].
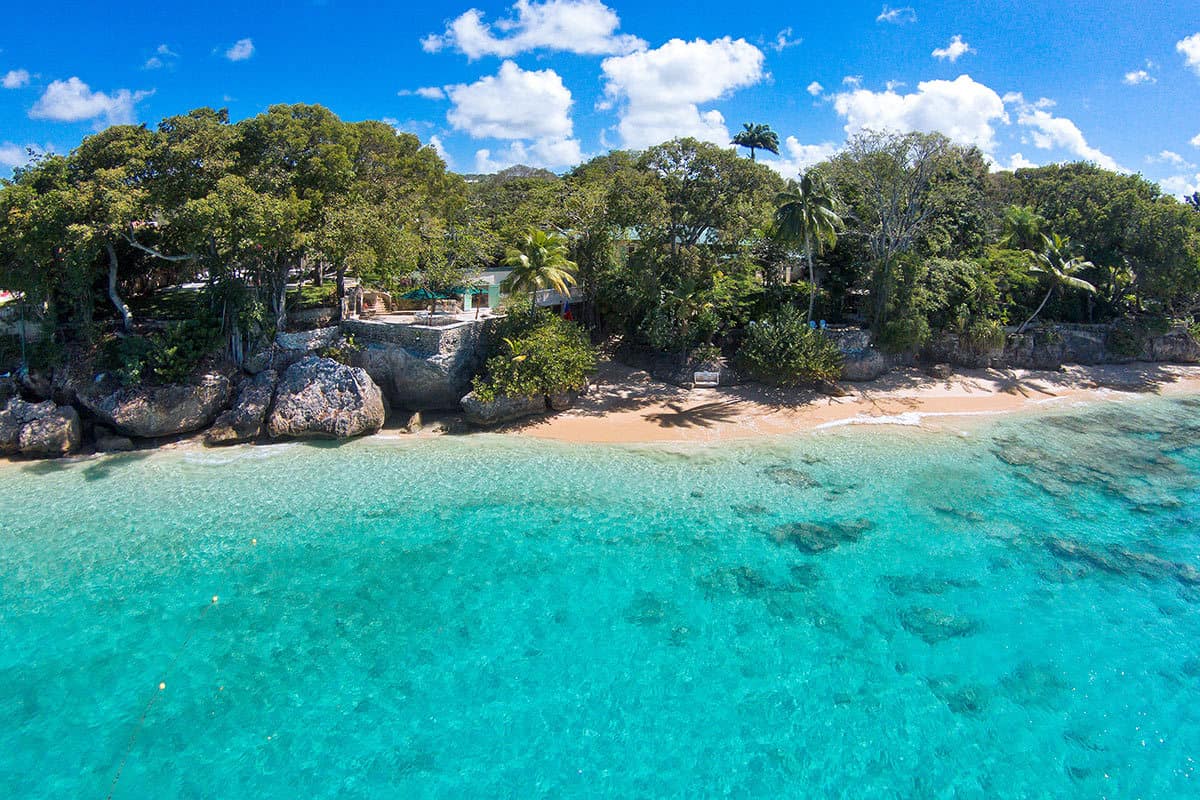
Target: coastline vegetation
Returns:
[685, 248]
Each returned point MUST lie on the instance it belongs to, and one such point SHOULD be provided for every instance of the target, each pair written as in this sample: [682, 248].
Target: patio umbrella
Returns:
[426, 295]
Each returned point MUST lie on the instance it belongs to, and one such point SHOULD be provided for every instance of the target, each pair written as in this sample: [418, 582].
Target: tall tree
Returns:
[755, 136]
[539, 262]
[806, 214]
[1058, 268]
[1022, 228]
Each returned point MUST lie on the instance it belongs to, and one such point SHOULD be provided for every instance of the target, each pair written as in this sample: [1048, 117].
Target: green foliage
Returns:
[341, 351]
[311, 296]
[782, 350]
[905, 334]
[538, 354]
[168, 357]
[983, 336]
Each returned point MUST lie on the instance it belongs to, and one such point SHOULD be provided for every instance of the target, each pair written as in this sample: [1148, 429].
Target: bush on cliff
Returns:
[539, 354]
[168, 357]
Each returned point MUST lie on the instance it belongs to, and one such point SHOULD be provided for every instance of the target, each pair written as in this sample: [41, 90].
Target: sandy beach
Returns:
[627, 406]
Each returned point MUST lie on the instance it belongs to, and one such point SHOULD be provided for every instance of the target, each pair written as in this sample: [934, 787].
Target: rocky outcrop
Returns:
[244, 421]
[411, 380]
[39, 429]
[488, 414]
[321, 398]
[562, 400]
[1175, 346]
[149, 412]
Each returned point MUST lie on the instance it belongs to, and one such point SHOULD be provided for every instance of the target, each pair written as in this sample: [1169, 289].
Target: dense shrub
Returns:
[782, 350]
[536, 354]
[341, 351]
[168, 357]
[983, 336]
[904, 334]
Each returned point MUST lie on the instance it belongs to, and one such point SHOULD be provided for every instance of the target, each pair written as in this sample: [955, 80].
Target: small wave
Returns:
[232, 455]
[909, 419]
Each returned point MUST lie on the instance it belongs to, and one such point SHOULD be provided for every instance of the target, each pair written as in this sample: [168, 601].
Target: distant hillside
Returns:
[516, 172]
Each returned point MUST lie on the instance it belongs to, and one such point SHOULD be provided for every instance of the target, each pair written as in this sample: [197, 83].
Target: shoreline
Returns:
[628, 407]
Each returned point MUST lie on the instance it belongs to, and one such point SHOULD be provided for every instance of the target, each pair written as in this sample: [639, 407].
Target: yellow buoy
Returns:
[162, 686]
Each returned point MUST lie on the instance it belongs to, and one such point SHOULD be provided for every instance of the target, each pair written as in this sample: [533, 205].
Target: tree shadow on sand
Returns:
[704, 415]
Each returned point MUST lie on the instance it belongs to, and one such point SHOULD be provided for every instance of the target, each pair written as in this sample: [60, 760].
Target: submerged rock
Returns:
[152, 411]
[244, 421]
[903, 585]
[933, 626]
[322, 398]
[817, 537]
[39, 429]
[488, 414]
[1118, 560]
[787, 476]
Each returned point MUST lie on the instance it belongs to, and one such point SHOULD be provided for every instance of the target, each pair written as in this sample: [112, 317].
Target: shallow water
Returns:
[1009, 611]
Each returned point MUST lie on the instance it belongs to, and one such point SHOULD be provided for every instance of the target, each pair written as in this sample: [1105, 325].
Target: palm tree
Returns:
[757, 137]
[806, 214]
[539, 263]
[1058, 267]
[1022, 228]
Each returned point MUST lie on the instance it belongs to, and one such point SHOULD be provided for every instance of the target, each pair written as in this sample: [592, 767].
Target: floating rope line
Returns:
[162, 686]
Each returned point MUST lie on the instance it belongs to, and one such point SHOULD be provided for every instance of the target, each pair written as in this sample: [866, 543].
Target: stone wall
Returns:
[1050, 347]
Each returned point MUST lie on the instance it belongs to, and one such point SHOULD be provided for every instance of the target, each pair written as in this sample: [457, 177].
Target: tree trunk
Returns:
[1045, 300]
[751, 153]
[126, 314]
[341, 292]
[812, 278]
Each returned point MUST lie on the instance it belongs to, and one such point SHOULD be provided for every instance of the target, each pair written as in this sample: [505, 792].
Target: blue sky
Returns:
[550, 82]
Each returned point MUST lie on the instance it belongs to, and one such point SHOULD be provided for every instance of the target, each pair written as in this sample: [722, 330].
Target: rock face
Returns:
[428, 382]
[244, 421]
[864, 365]
[153, 411]
[501, 410]
[39, 429]
[318, 397]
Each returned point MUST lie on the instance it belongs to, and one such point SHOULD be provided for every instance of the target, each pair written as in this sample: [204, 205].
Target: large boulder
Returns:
[39, 429]
[489, 413]
[244, 421]
[152, 411]
[864, 365]
[319, 397]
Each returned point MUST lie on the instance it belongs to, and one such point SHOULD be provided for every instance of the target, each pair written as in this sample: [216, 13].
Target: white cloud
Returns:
[1195, 140]
[852, 80]
[542, 153]
[241, 50]
[586, 27]
[784, 40]
[1019, 161]
[1139, 76]
[660, 91]
[1181, 185]
[1190, 48]
[15, 79]
[1169, 157]
[529, 108]
[796, 158]
[159, 60]
[12, 155]
[953, 51]
[427, 92]
[815, 89]
[436, 143]
[1049, 131]
[72, 101]
[962, 109]
[897, 16]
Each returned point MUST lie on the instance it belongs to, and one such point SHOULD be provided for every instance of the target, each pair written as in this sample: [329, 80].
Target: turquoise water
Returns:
[1009, 611]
